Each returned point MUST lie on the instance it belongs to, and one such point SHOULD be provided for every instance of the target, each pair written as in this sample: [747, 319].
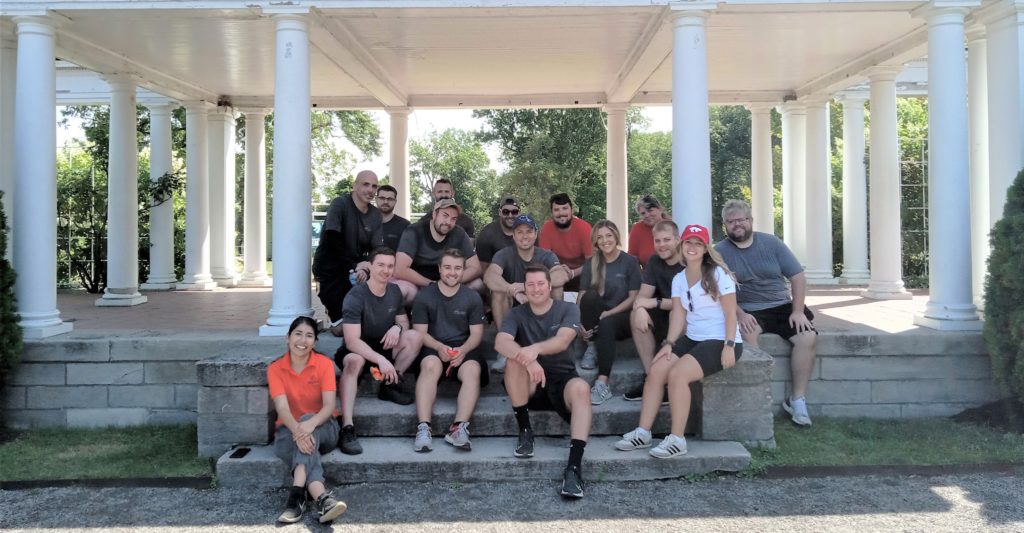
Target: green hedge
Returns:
[1004, 294]
[10, 331]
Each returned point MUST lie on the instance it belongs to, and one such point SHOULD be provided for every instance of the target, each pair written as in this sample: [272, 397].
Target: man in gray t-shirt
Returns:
[762, 264]
[535, 338]
[450, 318]
[423, 244]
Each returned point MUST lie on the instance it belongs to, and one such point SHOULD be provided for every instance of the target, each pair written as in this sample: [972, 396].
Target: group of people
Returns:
[409, 300]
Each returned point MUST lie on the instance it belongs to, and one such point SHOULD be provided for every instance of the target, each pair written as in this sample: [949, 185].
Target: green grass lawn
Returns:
[929, 441]
[153, 451]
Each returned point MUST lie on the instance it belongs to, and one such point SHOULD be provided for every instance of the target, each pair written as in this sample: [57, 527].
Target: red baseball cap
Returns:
[698, 231]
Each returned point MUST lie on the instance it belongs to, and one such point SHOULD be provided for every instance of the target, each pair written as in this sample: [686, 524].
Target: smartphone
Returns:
[239, 453]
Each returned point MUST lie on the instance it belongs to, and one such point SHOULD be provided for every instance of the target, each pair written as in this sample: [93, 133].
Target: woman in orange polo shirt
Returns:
[303, 389]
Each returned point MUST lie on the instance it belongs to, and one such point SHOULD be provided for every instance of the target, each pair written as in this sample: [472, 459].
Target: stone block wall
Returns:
[234, 407]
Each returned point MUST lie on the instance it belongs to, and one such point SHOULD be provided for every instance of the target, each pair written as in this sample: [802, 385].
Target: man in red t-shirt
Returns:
[569, 237]
[641, 236]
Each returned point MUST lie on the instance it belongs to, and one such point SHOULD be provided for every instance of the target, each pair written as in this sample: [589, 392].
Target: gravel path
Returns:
[974, 502]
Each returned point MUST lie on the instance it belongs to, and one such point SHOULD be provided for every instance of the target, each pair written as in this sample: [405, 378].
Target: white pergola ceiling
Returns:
[487, 56]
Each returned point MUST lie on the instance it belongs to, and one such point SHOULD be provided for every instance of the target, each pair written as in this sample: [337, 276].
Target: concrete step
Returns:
[493, 417]
[392, 459]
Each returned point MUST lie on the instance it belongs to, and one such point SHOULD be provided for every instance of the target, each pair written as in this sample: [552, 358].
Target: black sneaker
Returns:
[392, 393]
[347, 441]
[329, 507]
[524, 448]
[635, 394]
[295, 506]
[572, 483]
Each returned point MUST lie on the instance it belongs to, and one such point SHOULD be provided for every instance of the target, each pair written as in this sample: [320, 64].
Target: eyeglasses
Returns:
[386, 199]
[734, 221]
[510, 212]
[689, 300]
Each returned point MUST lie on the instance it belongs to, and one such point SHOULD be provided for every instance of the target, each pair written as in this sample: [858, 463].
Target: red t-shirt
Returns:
[641, 242]
[573, 246]
[304, 390]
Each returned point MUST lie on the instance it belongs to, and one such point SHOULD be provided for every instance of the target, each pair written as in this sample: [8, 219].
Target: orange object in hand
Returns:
[452, 353]
[375, 372]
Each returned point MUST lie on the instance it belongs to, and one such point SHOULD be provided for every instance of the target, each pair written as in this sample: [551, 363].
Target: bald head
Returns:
[365, 189]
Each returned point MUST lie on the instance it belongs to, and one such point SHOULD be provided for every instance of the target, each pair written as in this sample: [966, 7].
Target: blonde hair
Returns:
[597, 263]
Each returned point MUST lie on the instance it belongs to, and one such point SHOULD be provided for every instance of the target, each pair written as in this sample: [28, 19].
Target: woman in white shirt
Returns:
[704, 307]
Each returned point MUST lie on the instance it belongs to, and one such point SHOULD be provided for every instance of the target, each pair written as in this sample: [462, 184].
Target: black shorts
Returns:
[339, 357]
[475, 355]
[776, 320]
[551, 397]
[660, 319]
[572, 285]
[332, 294]
[707, 353]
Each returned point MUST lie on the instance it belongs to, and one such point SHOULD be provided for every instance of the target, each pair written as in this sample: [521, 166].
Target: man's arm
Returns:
[476, 334]
[506, 345]
[355, 344]
[403, 270]
[494, 280]
[798, 319]
[557, 344]
[559, 276]
[472, 271]
[428, 340]
[645, 298]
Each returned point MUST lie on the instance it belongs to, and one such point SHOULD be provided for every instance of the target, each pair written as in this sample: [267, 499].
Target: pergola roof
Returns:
[481, 53]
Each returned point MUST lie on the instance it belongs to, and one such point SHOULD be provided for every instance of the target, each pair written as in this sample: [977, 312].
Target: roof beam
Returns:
[341, 47]
[643, 60]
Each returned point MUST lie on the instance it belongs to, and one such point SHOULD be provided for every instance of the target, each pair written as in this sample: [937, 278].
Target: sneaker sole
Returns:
[632, 447]
[422, 449]
[335, 512]
[668, 456]
[285, 520]
[792, 416]
[598, 402]
[465, 447]
[571, 495]
[350, 452]
[522, 455]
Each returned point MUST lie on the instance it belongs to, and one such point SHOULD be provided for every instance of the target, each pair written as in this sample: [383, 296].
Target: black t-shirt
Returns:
[393, 231]
[513, 268]
[426, 253]
[621, 276]
[348, 237]
[376, 314]
[659, 274]
[491, 240]
[527, 328]
[448, 318]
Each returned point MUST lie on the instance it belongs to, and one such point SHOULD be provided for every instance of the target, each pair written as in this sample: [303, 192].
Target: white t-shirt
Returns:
[706, 321]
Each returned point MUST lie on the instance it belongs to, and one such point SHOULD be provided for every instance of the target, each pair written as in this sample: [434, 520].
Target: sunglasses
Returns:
[689, 300]
[509, 212]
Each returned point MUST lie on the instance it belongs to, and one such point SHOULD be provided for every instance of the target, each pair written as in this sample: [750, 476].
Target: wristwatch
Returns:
[730, 343]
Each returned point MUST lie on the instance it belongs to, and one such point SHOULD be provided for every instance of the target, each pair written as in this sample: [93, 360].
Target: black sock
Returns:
[576, 452]
[522, 417]
[427, 422]
[298, 493]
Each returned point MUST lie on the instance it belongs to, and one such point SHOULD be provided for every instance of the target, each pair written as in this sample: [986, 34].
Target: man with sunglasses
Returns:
[569, 237]
[641, 235]
[497, 234]
[394, 225]
[762, 263]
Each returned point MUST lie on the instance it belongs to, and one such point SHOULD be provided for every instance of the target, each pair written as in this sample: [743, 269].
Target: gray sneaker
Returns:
[797, 409]
[458, 436]
[634, 441]
[499, 364]
[671, 446]
[600, 393]
[589, 361]
[424, 440]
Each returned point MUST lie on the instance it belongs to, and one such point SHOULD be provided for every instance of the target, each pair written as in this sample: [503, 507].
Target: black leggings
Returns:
[610, 330]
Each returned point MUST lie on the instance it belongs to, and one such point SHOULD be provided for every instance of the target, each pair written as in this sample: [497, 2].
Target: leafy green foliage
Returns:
[10, 331]
[459, 156]
[1004, 292]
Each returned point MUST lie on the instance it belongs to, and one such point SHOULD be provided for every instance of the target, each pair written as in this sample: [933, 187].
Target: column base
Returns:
[855, 277]
[886, 290]
[266, 330]
[157, 286]
[42, 332]
[949, 317]
[255, 280]
[945, 324]
[121, 300]
[821, 278]
[226, 281]
[196, 286]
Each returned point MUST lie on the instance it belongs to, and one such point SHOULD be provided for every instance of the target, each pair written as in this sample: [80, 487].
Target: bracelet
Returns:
[667, 342]
[400, 328]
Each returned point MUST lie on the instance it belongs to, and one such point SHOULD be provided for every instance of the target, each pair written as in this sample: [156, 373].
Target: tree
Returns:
[1004, 290]
[10, 331]
[459, 156]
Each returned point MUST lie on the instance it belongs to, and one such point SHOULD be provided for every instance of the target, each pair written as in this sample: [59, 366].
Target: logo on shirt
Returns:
[459, 312]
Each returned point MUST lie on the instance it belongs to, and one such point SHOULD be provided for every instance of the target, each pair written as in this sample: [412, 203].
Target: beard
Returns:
[739, 234]
[561, 225]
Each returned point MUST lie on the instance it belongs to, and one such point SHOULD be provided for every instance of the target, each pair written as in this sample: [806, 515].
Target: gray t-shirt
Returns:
[762, 270]
[659, 274]
[376, 314]
[426, 253]
[448, 318]
[621, 276]
[513, 268]
[527, 328]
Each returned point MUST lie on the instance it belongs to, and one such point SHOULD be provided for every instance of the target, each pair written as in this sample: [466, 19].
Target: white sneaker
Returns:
[424, 440]
[499, 364]
[634, 440]
[670, 446]
[589, 361]
[600, 393]
[797, 409]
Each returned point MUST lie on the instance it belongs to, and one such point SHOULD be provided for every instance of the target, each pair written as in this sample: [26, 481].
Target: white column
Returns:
[292, 190]
[884, 201]
[161, 211]
[398, 147]
[977, 106]
[197, 200]
[762, 190]
[617, 183]
[950, 303]
[8, 70]
[855, 193]
[691, 141]
[122, 204]
[254, 208]
[818, 204]
[1004, 33]
[35, 174]
[222, 196]
[794, 168]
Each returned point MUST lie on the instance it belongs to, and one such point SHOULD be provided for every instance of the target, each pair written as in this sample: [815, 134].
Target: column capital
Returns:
[1000, 12]
[852, 99]
[759, 107]
[617, 107]
[975, 32]
[222, 113]
[792, 107]
[945, 11]
[255, 110]
[398, 111]
[159, 105]
[815, 99]
[36, 23]
[884, 72]
[120, 81]
[692, 8]
[284, 11]
[197, 106]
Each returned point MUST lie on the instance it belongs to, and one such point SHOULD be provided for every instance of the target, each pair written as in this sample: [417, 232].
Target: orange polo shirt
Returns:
[304, 390]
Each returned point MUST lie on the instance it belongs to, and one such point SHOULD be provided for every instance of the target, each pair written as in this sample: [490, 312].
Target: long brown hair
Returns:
[708, 262]
[597, 262]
